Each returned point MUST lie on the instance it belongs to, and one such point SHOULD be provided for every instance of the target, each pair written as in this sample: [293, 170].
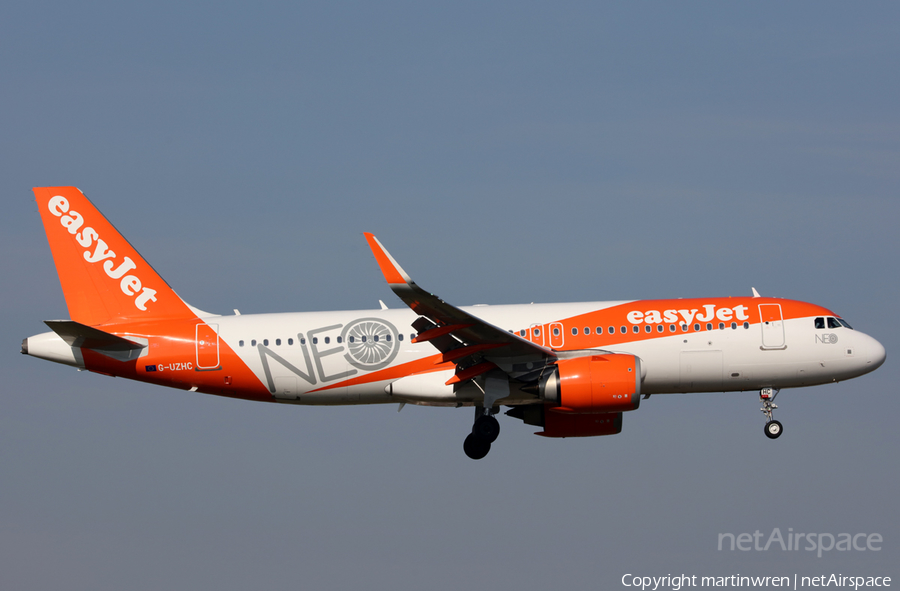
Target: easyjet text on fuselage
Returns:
[706, 313]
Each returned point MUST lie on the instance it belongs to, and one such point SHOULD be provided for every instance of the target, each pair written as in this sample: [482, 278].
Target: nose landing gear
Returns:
[773, 428]
[485, 431]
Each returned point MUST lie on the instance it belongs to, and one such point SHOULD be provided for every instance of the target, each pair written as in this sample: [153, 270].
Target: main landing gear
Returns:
[773, 427]
[485, 431]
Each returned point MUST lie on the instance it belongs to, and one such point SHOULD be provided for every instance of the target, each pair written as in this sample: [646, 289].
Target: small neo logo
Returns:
[371, 343]
[827, 338]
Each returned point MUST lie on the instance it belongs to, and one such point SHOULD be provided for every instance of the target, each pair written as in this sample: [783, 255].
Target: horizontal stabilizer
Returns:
[76, 334]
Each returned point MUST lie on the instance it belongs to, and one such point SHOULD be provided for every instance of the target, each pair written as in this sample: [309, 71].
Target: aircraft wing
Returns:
[476, 346]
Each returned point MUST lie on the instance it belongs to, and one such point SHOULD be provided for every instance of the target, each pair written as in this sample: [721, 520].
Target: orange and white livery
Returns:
[570, 369]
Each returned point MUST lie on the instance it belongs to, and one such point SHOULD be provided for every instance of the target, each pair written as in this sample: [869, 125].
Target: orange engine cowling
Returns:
[560, 424]
[593, 384]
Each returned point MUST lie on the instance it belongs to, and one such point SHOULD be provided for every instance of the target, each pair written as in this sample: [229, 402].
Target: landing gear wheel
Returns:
[475, 447]
[487, 428]
[767, 397]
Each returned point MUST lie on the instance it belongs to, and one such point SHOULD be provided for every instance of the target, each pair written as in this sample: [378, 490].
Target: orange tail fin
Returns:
[104, 279]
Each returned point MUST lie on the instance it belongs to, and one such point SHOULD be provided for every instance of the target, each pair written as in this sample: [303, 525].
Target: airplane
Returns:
[571, 369]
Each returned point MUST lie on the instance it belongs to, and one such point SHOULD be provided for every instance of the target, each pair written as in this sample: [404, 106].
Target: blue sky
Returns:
[507, 153]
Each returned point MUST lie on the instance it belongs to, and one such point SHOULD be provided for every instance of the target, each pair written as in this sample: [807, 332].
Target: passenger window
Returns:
[327, 340]
[521, 333]
[399, 338]
[820, 322]
[278, 342]
[647, 328]
[671, 328]
[240, 343]
[684, 328]
[574, 331]
[624, 329]
[833, 323]
[660, 328]
[721, 326]
[612, 330]
[587, 330]
[734, 326]
[316, 340]
[266, 342]
[290, 341]
[636, 328]
[387, 337]
[340, 339]
[696, 327]
[555, 331]
[302, 341]
[253, 343]
[746, 325]
[709, 326]
[376, 338]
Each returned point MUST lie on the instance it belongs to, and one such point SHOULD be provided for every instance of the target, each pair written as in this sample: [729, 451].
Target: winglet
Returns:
[393, 273]
[755, 293]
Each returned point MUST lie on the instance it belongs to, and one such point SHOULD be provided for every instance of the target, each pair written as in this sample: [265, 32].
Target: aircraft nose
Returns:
[876, 354]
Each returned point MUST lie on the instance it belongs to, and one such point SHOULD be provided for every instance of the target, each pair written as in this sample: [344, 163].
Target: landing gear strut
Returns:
[773, 427]
[484, 432]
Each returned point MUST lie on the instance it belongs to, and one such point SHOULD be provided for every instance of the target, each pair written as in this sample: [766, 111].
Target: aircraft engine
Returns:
[593, 384]
[557, 424]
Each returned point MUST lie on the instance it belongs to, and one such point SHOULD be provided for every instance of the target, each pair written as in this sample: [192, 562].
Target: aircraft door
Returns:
[772, 324]
[207, 346]
[536, 334]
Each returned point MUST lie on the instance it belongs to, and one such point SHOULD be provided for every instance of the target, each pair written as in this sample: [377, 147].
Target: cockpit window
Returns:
[820, 322]
[844, 323]
[833, 323]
